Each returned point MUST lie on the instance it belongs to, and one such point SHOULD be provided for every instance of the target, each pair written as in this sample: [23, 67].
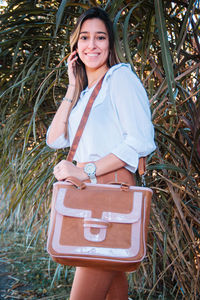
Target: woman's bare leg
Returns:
[95, 284]
[119, 288]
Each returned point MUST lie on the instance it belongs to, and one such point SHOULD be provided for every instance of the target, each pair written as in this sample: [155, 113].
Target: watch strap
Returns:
[93, 179]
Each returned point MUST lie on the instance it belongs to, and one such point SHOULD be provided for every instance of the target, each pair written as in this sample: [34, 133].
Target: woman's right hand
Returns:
[71, 61]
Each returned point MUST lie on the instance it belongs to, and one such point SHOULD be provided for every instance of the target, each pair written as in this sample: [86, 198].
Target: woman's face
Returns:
[93, 44]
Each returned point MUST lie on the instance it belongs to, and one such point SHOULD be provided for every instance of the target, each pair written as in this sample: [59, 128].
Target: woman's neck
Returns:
[94, 76]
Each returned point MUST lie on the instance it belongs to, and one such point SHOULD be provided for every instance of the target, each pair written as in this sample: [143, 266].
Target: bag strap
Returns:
[83, 121]
[142, 166]
[72, 151]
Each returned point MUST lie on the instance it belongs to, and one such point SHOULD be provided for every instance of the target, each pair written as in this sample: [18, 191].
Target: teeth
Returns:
[92, 54]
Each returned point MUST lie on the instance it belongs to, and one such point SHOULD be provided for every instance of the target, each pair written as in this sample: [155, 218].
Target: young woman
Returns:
[118, 131]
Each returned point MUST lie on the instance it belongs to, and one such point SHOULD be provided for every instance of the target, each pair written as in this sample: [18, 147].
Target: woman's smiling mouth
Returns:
[92, 54]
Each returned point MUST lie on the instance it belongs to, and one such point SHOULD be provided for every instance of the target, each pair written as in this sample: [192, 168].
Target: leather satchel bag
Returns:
[98, 225]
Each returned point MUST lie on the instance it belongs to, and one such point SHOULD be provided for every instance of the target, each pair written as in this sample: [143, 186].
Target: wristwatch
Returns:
[90, 170]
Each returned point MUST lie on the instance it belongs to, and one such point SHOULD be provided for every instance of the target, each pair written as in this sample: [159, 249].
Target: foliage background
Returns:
[160, 39]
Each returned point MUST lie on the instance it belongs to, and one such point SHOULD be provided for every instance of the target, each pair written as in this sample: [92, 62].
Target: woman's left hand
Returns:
[65, 169]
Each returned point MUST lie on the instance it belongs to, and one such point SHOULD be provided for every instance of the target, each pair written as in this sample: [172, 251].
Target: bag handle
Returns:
[72, 151]
[123, 185]
[81, 185]
[76, 182]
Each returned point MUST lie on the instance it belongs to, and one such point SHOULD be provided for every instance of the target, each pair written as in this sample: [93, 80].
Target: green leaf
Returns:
[125, 34]
[169, 167]
[117, 38]
[59, 15]
[165, 50]
[183, 28]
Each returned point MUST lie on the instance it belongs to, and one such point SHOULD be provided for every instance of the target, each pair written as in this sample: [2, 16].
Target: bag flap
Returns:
[110, 205]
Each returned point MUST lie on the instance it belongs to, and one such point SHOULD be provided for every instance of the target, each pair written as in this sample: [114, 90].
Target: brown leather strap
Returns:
[83, 121]
[142, 166]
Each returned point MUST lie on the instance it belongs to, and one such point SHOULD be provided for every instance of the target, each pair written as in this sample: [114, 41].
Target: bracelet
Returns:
[71, 85]
[67, 99]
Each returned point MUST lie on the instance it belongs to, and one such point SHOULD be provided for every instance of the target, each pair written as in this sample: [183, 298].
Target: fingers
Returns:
[60, 175]
[62, 170]
[65, 169]
[71, 62]
[59, 171]
[72, 59]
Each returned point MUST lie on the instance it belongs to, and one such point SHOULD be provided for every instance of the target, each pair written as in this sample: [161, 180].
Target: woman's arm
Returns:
[108, 163]
[59, 123]
[104, 165]
[131, 105]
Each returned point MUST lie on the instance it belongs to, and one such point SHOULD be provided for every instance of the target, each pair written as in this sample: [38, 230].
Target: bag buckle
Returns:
[100, 224]
[143, 179]
[123, 185]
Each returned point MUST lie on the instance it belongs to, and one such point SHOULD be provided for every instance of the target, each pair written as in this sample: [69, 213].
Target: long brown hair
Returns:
[81, 76]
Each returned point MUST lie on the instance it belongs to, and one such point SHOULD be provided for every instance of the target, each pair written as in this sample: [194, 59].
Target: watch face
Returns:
[90, 168]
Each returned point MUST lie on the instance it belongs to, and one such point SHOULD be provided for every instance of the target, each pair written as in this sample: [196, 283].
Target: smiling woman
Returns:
[106, 31]
[93, 49]
[112, 140]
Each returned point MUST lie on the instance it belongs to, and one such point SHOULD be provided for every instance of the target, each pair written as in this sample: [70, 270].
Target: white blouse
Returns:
[119, 122]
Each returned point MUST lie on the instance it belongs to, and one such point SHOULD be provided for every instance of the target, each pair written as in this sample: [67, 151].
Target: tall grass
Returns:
[160, 40]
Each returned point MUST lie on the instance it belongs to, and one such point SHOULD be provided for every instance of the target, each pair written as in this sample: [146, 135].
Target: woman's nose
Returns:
[91, 43]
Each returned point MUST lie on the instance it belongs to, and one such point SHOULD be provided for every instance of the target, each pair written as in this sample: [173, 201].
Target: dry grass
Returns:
[28, 273]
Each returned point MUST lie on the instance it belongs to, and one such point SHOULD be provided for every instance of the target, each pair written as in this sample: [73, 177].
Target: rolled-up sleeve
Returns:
[60, 142]
[131, 106]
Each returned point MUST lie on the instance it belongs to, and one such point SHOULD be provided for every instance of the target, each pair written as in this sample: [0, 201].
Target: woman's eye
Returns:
[101, 38]
[83, 37]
